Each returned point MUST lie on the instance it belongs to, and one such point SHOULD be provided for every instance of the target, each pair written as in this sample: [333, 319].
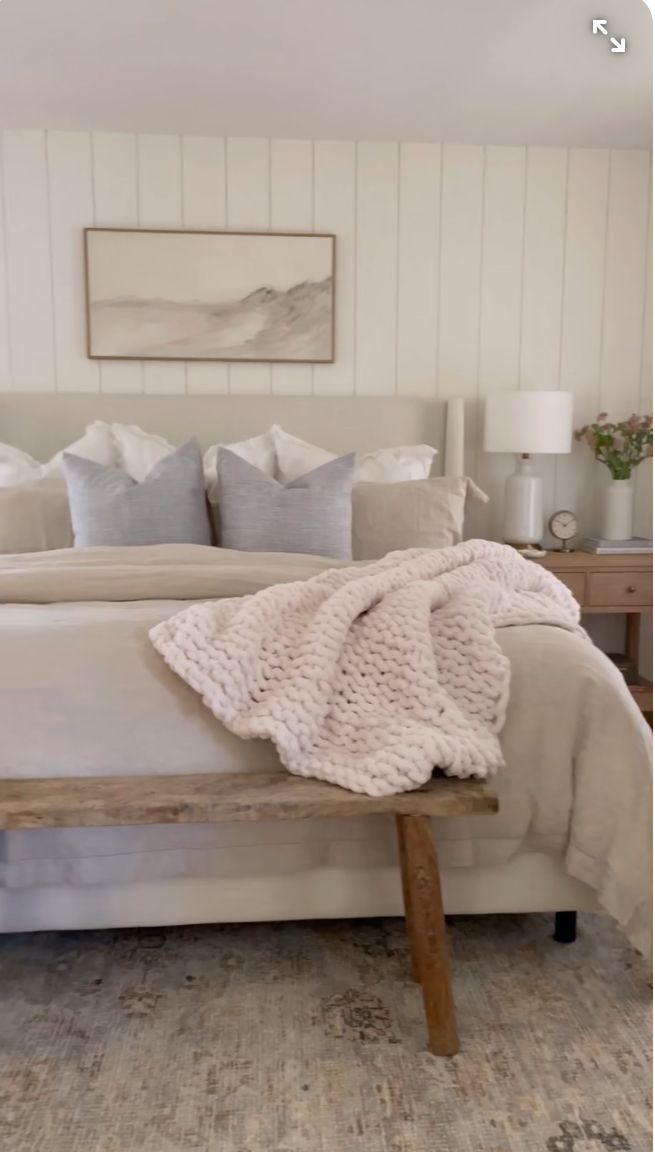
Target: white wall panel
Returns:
[627, 223]
[5, 346]
[459, 290]
[626, 266]
[204, 180]
[543, 264]
[462, 188]
[335, 211]
[502, 259]
[249, 208]
[292, 210]
[500, 304]
[71, 210]
[644, 474]
[644, 479]
[291, 185]
[543, 269]
[418, 268]
[646, 391]
[204, 188]
[582, 320]
[160, 206]
[115, 191]
[29, 265]
[376, 269]
[248, 196]
[115, 179]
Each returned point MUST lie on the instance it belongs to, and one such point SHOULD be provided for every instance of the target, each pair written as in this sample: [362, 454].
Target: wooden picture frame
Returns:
[173, 294]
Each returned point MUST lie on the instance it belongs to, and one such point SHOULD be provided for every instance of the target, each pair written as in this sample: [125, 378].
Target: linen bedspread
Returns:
[82, 692]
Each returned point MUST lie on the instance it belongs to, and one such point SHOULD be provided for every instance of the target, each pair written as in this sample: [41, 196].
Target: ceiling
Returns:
[484, 71]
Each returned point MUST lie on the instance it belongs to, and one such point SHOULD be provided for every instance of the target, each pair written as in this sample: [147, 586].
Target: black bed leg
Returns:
[565, 927]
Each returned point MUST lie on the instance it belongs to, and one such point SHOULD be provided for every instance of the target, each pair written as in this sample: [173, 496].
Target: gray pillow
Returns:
[108, 507]
[253, 512]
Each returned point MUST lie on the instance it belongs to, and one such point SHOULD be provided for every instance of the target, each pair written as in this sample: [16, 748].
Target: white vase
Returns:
[617, 510]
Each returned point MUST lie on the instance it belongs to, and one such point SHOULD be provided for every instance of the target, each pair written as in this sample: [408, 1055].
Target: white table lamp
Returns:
[527, 424]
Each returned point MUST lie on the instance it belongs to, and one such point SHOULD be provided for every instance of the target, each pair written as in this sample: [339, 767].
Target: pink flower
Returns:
[618, 443]
[602, 418]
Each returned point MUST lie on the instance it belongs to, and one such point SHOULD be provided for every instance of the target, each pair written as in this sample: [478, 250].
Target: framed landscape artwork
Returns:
[166, 295]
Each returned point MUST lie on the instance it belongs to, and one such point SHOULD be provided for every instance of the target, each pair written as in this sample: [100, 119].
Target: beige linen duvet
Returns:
[83, 692]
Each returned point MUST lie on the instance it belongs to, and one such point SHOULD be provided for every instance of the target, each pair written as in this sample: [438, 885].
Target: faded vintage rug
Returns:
[309, 1038]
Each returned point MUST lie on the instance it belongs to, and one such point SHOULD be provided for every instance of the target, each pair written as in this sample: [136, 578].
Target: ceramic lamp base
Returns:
[523, 522]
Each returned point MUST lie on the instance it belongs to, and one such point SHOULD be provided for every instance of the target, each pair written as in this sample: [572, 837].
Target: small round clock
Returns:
[563, 526]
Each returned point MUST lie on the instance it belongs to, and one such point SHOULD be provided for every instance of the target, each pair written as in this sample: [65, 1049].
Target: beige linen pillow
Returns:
[410, 514]
[35, 517]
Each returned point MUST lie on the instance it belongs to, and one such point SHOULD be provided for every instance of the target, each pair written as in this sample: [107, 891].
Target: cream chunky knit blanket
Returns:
[371, 676]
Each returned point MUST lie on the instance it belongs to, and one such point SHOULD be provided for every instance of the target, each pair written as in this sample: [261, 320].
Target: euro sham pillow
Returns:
[18, 467]
[139, 452]
[295, 457]
[109, 508]
[253, 512]
[35, 517]
[411, 514]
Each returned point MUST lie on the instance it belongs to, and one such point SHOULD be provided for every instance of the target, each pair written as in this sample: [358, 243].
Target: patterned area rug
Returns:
[309, 1038]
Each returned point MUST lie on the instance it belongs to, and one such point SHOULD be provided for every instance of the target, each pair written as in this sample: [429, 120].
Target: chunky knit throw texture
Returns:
[371, 676]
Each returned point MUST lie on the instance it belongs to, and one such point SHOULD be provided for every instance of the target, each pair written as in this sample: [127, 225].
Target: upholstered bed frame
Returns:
[42, 424]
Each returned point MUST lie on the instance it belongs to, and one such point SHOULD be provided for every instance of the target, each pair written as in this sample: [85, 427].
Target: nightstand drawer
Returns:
[619, 589]
[575, 582]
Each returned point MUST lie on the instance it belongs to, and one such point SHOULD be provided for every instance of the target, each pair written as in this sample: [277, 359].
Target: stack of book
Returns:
[636, 546]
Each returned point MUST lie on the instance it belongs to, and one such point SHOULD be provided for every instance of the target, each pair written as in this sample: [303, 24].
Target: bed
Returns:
[64, 712]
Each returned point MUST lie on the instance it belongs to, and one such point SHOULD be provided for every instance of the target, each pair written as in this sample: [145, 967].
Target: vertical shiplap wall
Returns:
[460, 269]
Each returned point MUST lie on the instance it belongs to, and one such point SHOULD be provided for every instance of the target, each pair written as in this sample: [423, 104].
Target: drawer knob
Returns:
[631, 588]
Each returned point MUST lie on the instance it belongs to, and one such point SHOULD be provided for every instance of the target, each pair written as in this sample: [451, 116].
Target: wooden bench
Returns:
[95, 803]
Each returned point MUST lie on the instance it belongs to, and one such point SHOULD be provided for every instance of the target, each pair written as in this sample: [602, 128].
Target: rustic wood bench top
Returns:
[95, 802]
[120, 800]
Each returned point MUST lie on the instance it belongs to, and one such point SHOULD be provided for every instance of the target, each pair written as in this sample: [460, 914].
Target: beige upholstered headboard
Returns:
[43, 423]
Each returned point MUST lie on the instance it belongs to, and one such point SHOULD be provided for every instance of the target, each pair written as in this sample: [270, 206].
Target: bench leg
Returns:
[407, 898]
[427, 931]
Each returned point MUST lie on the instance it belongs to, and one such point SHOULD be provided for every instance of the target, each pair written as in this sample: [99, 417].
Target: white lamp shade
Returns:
[528, 422]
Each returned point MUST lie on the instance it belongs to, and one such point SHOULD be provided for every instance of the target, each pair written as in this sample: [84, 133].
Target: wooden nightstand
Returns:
[611, 584]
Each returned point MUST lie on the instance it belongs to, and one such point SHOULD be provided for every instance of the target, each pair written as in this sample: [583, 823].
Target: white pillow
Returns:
[139, 451]
[17, 467]
[258, 451]
[97, 444]
[296, 457]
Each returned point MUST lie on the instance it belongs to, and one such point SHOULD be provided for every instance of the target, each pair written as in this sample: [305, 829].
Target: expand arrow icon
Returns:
[617, 45]
[599, 26]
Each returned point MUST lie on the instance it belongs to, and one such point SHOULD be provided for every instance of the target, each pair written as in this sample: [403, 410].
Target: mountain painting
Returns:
[165, 295]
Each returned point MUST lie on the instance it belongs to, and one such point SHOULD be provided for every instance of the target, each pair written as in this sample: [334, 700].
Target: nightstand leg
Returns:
[633, 636]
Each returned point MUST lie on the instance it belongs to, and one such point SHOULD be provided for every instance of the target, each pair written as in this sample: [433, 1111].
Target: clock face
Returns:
[563, 525]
